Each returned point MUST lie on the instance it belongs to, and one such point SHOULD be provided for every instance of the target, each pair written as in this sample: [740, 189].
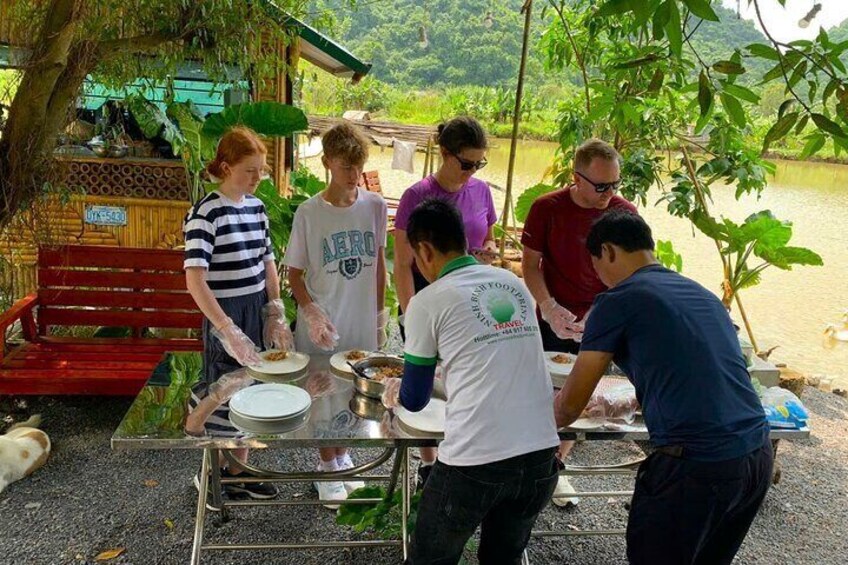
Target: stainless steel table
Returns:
[156, 418]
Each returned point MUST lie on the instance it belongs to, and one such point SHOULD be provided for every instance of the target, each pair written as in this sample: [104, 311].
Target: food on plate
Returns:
[380, 373]
[276, 356]
[355, 355]
[563, 358]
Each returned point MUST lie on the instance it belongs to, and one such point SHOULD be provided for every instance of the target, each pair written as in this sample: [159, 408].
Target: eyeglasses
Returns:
[600, 187]
[468, 165]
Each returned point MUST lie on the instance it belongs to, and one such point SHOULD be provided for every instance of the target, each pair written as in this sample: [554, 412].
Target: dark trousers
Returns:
[691, 512]
[505, 497]
[551, 342]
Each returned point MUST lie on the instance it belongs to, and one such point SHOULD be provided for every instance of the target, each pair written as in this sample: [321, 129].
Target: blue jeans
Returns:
[505, 497]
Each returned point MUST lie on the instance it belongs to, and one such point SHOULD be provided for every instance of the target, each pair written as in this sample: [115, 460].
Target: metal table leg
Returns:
[215, 485]
[396, 473]
[404, 501]
[200, 516]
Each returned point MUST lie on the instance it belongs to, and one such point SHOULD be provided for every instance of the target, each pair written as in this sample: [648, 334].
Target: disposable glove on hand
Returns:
[391, 393]
[322, 332]
[560, 319]
[275, 330]
[237, 344]
[223, 389]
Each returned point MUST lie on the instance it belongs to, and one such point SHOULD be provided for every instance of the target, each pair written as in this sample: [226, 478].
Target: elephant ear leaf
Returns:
[265, 118]
[153, 122]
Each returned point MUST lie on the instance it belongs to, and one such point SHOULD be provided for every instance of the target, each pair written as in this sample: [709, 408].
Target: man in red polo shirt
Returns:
[557, 267]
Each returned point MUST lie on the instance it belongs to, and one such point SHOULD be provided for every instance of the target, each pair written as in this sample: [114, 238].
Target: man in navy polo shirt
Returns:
[697, 494]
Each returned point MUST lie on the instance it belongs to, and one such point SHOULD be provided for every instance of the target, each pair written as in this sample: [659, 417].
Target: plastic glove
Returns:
[275, 330]
[577, 328]
[560, 319]
[237, 345]
[320, 383]
[322, 332]
[219, 392]
[382, 321]
[391, 393]
[223, 389]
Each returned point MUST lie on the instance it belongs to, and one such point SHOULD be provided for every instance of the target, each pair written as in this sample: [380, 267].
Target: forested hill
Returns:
[461, 50]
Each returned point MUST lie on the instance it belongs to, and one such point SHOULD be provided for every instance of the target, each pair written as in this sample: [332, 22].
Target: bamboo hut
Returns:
[141, 200]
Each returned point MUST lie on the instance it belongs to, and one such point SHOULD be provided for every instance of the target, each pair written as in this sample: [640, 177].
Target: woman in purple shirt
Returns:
[462, 143]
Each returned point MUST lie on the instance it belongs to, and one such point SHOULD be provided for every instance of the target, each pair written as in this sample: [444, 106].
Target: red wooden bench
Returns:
[97, 286]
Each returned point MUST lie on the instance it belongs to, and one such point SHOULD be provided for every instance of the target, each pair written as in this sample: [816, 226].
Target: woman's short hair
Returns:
[461, 133]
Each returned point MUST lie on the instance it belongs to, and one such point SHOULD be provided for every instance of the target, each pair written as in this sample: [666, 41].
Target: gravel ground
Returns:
[88, 499]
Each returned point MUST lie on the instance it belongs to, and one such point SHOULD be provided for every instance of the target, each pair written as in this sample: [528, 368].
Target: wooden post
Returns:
[427, 157]
[527, 10]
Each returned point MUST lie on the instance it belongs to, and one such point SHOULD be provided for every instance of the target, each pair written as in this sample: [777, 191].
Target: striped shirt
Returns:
[231, 240]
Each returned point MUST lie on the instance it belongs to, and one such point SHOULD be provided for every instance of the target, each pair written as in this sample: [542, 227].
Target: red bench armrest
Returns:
[20, 310]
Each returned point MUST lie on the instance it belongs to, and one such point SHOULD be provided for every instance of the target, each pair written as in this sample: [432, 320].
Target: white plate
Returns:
[339, 361]
[558, 369]
[293, 363]
[270, 401]
[431, 419]
[587, 424]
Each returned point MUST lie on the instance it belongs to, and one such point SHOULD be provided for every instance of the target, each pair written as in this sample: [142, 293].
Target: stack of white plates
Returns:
[270, 408]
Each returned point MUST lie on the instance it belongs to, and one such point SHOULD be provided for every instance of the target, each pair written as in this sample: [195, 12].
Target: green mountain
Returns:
[420, 43]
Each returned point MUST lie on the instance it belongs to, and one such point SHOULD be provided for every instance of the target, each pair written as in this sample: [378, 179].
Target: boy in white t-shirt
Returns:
[337, 272]
[496, 465]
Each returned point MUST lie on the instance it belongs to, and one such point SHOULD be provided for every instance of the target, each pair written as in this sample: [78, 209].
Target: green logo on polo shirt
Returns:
[500, 306]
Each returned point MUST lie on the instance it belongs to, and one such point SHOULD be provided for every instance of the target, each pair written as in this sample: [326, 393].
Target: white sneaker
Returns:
[350, 486]
[563, 489]
[330, 490]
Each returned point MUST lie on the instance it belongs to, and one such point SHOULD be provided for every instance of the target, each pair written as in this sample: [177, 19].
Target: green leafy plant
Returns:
[649, 90]
[667, 256]
[760, 236]
[382, 519]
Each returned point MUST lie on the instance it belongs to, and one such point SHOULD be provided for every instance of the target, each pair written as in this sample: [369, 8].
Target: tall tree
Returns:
[61, 42]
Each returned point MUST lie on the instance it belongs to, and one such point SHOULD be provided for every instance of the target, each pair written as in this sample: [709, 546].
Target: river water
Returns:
[789, 309]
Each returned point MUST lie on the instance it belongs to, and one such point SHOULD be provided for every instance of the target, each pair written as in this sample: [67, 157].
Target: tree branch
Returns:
[114, 48]
[577, 55]
[779, 56]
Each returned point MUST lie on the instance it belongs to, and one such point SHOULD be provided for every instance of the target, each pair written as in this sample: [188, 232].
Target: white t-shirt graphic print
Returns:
[481, 322]
[338, 248]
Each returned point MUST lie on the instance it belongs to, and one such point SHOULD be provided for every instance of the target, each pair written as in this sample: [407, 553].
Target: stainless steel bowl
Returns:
[369, 387]
[367, 408]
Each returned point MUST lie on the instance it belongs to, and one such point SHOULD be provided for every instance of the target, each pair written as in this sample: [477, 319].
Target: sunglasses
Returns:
[600, 187]
[466, 165]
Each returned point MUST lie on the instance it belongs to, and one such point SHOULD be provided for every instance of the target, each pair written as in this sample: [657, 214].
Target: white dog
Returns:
[23, 449]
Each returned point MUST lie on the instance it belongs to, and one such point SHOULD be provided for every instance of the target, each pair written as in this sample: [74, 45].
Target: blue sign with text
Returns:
[106, 215]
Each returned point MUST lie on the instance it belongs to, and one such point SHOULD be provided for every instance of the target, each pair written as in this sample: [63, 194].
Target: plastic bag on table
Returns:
[783, 409]
[613, 402]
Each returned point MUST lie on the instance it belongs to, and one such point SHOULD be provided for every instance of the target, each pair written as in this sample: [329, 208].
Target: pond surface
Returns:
[789, 309]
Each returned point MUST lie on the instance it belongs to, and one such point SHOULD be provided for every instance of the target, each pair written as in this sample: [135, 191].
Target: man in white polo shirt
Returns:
[496, 465]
